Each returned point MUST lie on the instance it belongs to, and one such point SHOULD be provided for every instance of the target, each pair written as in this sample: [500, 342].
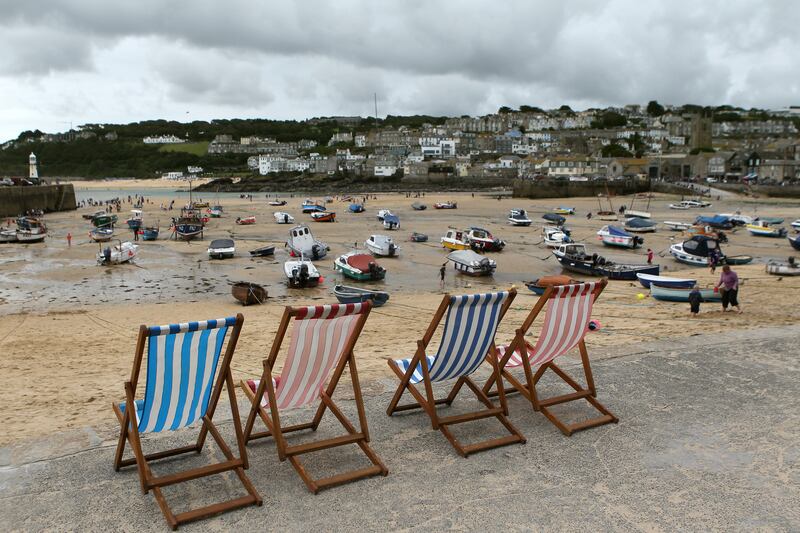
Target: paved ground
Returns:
[708, 439]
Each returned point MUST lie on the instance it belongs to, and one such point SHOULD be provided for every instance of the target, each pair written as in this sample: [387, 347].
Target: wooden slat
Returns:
[457, 419]
[195, 473]
[564, 398]
[493, 443]
[354, 475]
[324, 444]
[592, 422]
[216, 508]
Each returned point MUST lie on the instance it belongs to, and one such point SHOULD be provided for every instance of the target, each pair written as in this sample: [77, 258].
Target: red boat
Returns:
[246, 221]
[323, 216]
[445, 205]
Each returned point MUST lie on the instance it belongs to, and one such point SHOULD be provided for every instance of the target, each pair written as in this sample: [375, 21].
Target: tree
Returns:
[615, 150]
[565, 108]
[609, 119]
[530, 109]
[654, 109]
[505, 110]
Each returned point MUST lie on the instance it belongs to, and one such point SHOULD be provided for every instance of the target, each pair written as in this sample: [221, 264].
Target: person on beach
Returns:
[713, 260]
[694, 300]
[69, 239]
[650, 256]
[729, 287]
[441, 275]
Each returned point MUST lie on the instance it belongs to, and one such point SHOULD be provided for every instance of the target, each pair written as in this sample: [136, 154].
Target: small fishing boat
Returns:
[783, 268]
[356, 208]
[796, 225]
[607, 216]
[276, 203]
[716, 222]
[554, 237]
[283, 218]
[681, 206]
[760, 228]
[30, 230]
[150, 233]
[472, 264]
[301, 243]
[677, 226]
[313, 208]
[561, 210]
[737, 259]
[199, 205]
[454, 240]
[328, 199]
[665, 281]
[307, 201]
[382, 214]
[263, 251]
[573, 257]
[391, 221]
[698, 203]
[118, 254]
[772, 221]
[189, 226]
[482, 240]
[737, 219]
[90, 216]
[104, 220]
[630, 213]
[301, 273]
[445, 205]
[246, 221]
[696, 250]
[221, 249]
[671, 294]
[518, 217]
[359, 266]
[795, 242]
[418, 237]
[8, 235]
[326, 216]
[101, 234]
[538, 286]
[640, 225]
[417, 206]
[135, 222]
[354, 295]
[249, 293]
[215, 212]
[614, 236]
[382, 246]
[558, 220]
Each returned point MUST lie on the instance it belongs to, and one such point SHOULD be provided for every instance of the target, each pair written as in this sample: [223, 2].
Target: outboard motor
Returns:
[791, 260]
[314, 253]
[107, 254]
[638, 240]
[392, 249]
[303, 274]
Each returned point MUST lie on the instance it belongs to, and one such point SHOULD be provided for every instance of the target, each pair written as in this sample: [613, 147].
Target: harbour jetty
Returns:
[48, 198]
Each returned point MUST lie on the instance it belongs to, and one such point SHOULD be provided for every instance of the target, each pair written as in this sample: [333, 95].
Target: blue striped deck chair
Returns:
[184, 379]
[467, 338]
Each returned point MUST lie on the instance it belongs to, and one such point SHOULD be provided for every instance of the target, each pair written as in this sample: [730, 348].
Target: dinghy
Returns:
[382, 246]
[640, 225]
[391, 221]
[277, 203]
[681, 205]
[677, 226]
[614, 236]
[135, 222]
[670, 294]
[773, 221]
[101, 234]
[103, 219]
[564, 210]
[558, 220]
[417, 206]
[554, 237]
[482, 240]
[445, 205]
[796, 225]
[418, 237]
[359, 266]
[215, 212]
[150, 233]
[313, 208]
[630, 213]
[573, 257]
[781, 268]
[249, 293]
[760, 228]
[382, 214]
[665, 281]
[717, 222]
[123, 252]
[246, 221]
[327, 216]
[538, 286]
[263, 251]
[301, 243]
[518, 217]
[301, 273]
[221, 249]
[354, 295]
[356, 208]
[472, 264]
[283, 218]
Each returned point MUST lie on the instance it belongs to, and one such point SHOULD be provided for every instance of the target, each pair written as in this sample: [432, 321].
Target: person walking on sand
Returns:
[441, 275]
[729, 287]
[69, 239]
[650, 256]
[694, 300]
[713, 260]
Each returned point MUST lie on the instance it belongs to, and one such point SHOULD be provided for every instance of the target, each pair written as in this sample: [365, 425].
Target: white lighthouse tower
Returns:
[33, 172]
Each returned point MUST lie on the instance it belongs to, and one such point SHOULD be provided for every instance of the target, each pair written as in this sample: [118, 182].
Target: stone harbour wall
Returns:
[16, 200]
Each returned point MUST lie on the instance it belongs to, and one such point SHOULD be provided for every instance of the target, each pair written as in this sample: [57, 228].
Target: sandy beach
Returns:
[68, 327]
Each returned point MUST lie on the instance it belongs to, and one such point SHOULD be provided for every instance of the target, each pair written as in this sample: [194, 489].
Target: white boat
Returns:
[455, 240]
[277, 203]
[221, 249]
[8, 235]
[737, 218]
[301, 273]
[472, 264]
[697, 203]
[783, 268]
[614, 236]
[382, 246]
[518, 217]
[283, 218]
[382, 214]
[695, 251]
[32, 235]
[630, 213]
[123, 252]
[677, 226]
[665, 281]
[680, 205]
[762, 229]
[301, 243]
[554, 237]
[796, 224]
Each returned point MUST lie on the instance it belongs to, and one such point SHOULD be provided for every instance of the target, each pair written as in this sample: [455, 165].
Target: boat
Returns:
[795, 242]
[630, 213]
[382, 214]
[313, 208]
[716, 222]
[480, 239]
[518, 217]
[135, 222]
[199, 205]
[607, 216]
[150, 233]
[276, 203]
[391, 221]
[30, 230]
[472, 264]
[738, 219]
[698, 203]
[354, 295]
[90, 216]
[103, 220]
[538, 286]
[283, 218]
[677, 226]
[307, 201]
[418, 237]
[573, 257]
[249, 293]
[8, 235]
[558, 220]
[118, 254]
[783, 268]
[221, 249]
[640, 225]
[356, 208]
[301, 243]
[301, 273]
[614, 236]
[696, 250]
[454, 240]
[760, 228]
[737, 259]
[246, 221]
[382, 246]
[189, 226]
[101, 234]
[417, 206]
[215, 212]
[681, 205]
[796, 225]
[359, 266]
[554, 237]
[671, 294]
[263, 251]
[707, 231]
[328, 199]
[665, 281]
[564, 210]
[326, 216]
[774, 221]
[445, 205]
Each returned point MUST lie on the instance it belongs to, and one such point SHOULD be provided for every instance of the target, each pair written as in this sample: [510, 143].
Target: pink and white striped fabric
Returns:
[566, 322]
[318, 338]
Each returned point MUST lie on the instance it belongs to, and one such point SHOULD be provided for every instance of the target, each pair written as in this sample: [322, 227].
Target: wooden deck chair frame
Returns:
[272, 420]
[129, 432]
[528, 389]
[428, 403]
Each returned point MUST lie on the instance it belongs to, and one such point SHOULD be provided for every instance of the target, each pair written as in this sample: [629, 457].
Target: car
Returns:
[7, 182]
[711, 180]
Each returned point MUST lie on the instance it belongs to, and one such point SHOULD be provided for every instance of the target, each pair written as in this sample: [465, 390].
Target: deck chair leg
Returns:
[123, 437]
[587, 368]
[421, 401]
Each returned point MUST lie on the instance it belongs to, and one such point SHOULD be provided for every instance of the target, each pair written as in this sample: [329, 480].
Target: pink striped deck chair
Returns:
[566, 322]
[321, 345]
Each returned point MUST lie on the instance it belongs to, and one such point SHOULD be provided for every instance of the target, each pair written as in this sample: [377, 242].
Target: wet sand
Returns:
[68, 326]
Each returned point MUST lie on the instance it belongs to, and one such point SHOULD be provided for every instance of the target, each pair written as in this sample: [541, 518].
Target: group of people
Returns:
[727, 286]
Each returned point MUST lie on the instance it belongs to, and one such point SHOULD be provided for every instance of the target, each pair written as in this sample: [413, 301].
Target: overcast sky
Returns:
[85, 61]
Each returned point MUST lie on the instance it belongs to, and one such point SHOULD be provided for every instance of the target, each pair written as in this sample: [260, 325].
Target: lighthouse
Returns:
[33, 172]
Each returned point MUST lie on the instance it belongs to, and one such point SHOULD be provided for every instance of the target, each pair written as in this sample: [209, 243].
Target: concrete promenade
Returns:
[708, 439]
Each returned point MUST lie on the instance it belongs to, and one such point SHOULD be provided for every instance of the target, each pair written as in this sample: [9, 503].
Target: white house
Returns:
[162, 139]
[385, 170]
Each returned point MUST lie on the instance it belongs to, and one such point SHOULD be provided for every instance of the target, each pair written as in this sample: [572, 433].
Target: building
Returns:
[33, 170]
[342, 137]
[162, 139]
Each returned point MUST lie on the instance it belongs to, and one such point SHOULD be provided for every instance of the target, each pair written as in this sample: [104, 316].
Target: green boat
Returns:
[668, 294]
[359, 266]
[102, 221]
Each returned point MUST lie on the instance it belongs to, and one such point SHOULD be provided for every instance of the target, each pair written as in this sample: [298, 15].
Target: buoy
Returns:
[594, 325]
[640, 296]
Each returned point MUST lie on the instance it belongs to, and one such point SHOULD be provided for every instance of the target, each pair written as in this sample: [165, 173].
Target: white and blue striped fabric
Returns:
[181, 364]
[469, 330]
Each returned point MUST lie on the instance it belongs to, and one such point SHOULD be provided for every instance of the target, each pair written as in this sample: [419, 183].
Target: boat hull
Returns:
[670, 294]
[782, 269]
[263, 251]
[646, 280]
[249, 293]
[354, 295]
